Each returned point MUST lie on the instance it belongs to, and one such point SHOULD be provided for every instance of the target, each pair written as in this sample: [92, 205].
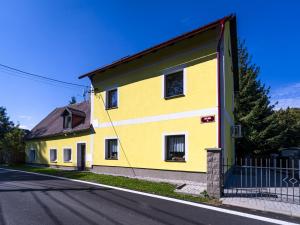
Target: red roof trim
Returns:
[158, 47]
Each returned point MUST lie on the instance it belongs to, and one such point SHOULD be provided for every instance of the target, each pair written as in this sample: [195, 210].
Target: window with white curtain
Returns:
[67, 155]
[175, 147]
[53, 155]
[111, 149]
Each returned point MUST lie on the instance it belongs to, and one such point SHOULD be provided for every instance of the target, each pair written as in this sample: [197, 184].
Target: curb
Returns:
[227, 211]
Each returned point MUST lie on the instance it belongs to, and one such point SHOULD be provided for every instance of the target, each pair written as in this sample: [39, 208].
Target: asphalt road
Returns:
[35, 199]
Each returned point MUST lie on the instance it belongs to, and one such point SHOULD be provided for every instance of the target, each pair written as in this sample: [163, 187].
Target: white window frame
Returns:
[50, 155]
[105, 146]
[64, 121]
[106, 98]
[63, 155]
[164, 150]
[35, 155]
[163, 94]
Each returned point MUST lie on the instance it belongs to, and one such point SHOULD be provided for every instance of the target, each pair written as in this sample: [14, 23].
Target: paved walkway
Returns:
[184, 186]
[264, 205]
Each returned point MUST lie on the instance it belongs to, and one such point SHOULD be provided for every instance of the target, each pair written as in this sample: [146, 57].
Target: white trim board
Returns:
[91, 145]
[163, 117]
[199, 205]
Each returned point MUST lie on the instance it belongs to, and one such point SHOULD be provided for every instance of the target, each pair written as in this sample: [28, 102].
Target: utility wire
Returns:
[116, 133]
[20, 75]
[42, 77]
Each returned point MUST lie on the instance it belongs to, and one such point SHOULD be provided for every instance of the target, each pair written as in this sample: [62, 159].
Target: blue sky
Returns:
[64, 39]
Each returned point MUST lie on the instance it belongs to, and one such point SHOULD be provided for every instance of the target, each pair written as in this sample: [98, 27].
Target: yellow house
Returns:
[155, 113]
[62, 139]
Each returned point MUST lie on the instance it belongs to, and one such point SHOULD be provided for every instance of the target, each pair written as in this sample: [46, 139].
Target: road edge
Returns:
[199, 205]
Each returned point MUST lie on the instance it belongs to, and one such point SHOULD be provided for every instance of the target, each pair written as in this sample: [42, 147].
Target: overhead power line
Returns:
[12, 69]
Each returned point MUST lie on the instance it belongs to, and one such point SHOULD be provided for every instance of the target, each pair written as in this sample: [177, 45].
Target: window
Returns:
[112, 99]
[174, 84]
[175, 147]
[32, 155]
[67, 122]
[53, 155]
[67, 155]
[111, 149]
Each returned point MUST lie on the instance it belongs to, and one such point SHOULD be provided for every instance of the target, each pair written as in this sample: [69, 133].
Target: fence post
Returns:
[214, 172]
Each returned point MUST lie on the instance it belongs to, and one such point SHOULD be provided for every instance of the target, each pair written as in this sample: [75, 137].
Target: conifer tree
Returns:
[262, 133]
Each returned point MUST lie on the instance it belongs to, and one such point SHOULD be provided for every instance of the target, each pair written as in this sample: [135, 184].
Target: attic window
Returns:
[67, 121]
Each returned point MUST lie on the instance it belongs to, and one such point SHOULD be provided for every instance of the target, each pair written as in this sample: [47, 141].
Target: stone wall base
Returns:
[52, 166]
[151, 173]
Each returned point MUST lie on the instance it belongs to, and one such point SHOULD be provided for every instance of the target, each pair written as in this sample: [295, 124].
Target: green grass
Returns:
[163, 189]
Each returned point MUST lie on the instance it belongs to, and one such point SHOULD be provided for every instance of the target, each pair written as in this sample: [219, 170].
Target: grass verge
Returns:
[163, 189]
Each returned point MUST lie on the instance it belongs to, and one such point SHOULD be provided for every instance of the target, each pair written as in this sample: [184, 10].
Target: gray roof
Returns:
[52, 125]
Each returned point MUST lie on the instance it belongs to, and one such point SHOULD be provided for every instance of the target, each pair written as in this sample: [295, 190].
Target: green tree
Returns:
[262, 133]
[73, 100]
[12, 146]
[5, 123]
[290, 120]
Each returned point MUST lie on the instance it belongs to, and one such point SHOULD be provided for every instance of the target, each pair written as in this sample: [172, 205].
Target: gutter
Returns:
[222, 23]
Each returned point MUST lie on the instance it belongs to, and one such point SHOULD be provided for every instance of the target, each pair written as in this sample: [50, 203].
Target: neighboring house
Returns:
[62, 139]
[156, 112]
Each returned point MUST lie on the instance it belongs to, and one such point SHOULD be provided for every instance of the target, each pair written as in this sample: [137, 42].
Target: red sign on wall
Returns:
[207, 119]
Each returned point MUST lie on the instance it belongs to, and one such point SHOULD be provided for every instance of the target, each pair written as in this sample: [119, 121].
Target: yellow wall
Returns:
[143, 116]
[43, 147]
[141, 99]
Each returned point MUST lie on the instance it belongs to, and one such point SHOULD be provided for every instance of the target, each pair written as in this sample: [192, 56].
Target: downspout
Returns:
[219, 82]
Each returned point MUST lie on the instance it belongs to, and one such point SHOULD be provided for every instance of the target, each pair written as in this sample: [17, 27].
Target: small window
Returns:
[175, 147]
[174, 84]
[32, 155]
[67, 155]
[67, 122]
[53, 155]
[112, 99]
[111, 150]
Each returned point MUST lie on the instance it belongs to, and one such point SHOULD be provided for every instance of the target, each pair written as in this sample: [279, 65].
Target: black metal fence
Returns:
[272, 179]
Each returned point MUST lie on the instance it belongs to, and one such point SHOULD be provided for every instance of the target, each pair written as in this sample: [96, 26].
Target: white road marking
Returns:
[227, 211]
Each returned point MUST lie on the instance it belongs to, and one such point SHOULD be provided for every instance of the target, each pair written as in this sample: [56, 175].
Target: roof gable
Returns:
[52, 124]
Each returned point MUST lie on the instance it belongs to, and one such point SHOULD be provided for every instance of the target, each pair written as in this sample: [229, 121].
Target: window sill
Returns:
[67, 161]
[174, 96]
[53, 161]
[111, 108]
[111, 159]
[170, 160]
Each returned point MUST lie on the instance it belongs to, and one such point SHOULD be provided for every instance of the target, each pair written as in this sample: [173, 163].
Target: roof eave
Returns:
[158, 47]
[90, 128]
